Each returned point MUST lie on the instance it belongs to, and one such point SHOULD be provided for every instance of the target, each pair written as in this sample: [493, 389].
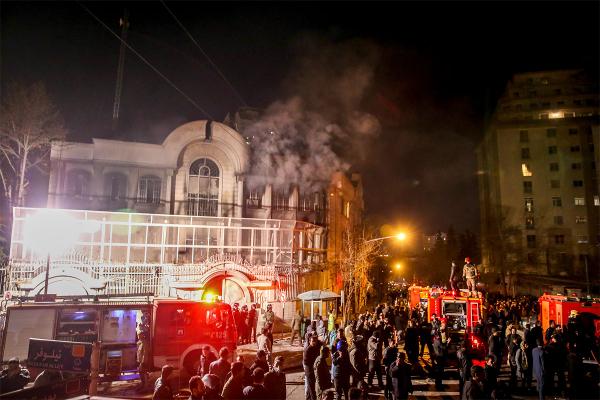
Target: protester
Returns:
[257, 390]
[260, 362]
[162, 387]
[234, 386]
[474, 388]
[375, 350]
[206, 358]
[212, 387]
[264, 343]
[14, 377]
[309, 357]
[539, 368]
[341, 370]
[322, 369]
[400, 374]
[296, 327]
[221, 366]
[197, 389]
[275, 380]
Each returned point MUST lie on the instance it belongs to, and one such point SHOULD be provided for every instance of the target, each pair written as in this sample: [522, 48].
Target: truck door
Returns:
[23, 324]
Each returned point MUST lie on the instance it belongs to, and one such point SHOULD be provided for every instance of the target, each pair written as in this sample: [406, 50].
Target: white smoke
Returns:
[321, 127]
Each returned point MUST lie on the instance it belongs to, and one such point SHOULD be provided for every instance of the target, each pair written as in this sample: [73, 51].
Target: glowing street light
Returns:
[398, 266]
[401, 236]
[51, 232]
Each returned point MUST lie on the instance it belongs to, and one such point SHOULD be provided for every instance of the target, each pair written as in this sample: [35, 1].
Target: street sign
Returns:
[59, 355]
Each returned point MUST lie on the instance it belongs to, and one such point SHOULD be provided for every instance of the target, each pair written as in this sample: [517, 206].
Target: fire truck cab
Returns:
[461, 310]
[558, 308]
[176, 329]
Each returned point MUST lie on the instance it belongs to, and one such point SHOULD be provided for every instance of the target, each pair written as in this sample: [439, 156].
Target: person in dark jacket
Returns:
[221, 366]
[400, 373]
[464, 365]
[323, 372]
[257, 390]
[411, 342]
[308, 362]
[212, 387]
[14, 377]
[358, 359]
[197, 388]
[390, 355]
[512, 357]
[234, 387]
[341, 370]
[426, 340]
[275, 380]
[539, 372]
[491, 375]
[206, 359]
[162, 387]
[495, 347]
[260, 362]
[474, 388]
[375, 350]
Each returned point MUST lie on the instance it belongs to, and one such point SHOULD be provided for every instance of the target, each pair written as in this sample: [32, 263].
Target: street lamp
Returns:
[399, 236]
[52, 232]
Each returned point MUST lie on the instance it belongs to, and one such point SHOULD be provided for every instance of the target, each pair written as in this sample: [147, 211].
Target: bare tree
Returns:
[29, 122]
[358, 257]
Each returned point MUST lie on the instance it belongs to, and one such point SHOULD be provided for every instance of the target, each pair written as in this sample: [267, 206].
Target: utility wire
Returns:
[188, 98]
[237, 94]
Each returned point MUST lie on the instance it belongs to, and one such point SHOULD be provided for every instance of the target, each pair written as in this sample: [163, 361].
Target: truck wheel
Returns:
[192, 363]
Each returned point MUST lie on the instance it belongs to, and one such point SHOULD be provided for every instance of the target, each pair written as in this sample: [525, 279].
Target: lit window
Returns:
[556, 114]
[597, 200]
[531, 241]
[525, 169]
[580, 220]
[582, 239]
[528, 187]
[529, 222]
[554, 183]
[554, 166]
[556, 202]
[558, 220]
[529, 204]
[579, 201]
[578, 183]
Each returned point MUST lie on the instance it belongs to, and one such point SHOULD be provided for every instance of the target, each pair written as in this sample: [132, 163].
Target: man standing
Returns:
[296, 326]
[322, 369]
[143, 348]
[234, 387]
[242, 328]
[538, 368]
[470, 274]
[275, 380]
[162, 388]
[221, 366]
[269, 321]
[375, 350]
[206, 359]
[252, 323]
[341, 370]
[308, 361]
[400, 373]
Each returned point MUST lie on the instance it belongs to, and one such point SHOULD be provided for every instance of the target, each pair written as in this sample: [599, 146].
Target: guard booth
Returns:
[316, 301]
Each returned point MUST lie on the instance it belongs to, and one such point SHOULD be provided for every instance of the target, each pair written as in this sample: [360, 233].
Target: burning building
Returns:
[180, 219]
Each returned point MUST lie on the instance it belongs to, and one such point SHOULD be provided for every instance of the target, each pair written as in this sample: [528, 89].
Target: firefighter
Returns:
[143, 349]
[470, 274]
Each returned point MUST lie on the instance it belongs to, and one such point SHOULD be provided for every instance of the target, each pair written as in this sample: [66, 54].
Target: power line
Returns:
[237, 94]
[188, 98]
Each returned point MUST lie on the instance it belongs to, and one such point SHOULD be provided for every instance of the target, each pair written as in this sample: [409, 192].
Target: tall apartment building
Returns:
[538, 180]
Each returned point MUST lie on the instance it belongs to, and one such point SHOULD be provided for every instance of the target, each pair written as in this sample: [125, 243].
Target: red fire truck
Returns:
[558, 308]
[461, 310]
[178, 329]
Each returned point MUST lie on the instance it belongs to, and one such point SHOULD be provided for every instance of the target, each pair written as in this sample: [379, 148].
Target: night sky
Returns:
[437, 71]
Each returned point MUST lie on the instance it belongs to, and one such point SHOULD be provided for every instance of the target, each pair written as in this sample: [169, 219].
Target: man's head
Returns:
[261, 355]
[166, 371]
[278, 363]
[433, 316]
[552, 323]
[206, 350]
[240, 358]
[264, 331]
[467, 259]
[477, 372]
[402, 356]
[196, 386]
[224, 353]
[237, 369]
[14, 366]
[269, 307]
[490, 359]
[314, 340]
[513, 330]
[258, 375]
[325, 351]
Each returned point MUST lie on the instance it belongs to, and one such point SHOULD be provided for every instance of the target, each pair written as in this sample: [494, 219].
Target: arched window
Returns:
[77, 182]
[149, 189]
[115, 186]
[203, 188]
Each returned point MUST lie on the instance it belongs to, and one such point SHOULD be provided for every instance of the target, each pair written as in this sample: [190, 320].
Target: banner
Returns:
[59, 355]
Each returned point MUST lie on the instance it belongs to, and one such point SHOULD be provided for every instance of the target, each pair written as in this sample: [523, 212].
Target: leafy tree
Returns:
[29, 123]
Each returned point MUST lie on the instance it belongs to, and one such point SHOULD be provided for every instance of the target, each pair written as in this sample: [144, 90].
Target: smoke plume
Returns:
[321, 125]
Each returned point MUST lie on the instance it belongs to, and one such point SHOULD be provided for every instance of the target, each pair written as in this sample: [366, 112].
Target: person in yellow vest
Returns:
[331, 321]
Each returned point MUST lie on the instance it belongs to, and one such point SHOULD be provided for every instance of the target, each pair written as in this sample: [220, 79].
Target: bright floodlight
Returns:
[401, 236]
[398, 266]
[53, 232]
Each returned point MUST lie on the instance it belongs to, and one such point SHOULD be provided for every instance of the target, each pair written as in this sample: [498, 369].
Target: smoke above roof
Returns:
[319, 127]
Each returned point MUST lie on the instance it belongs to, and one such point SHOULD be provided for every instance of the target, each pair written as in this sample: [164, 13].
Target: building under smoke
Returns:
[539, 189]
[179, 218]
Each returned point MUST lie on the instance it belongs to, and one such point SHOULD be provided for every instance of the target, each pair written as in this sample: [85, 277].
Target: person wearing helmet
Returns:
[470, 274]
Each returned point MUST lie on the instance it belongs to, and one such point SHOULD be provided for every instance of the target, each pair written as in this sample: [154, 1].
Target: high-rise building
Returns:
[538, 180]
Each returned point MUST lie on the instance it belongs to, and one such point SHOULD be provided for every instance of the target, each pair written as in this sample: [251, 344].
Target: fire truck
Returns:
[177, 329]
[559, 308]
[461, 310]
